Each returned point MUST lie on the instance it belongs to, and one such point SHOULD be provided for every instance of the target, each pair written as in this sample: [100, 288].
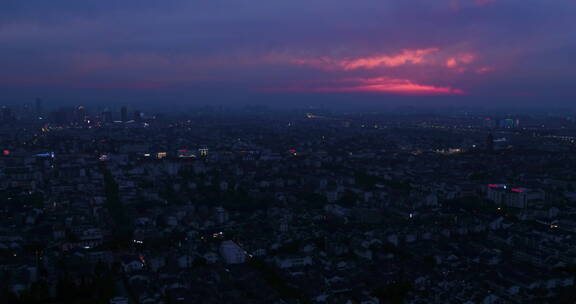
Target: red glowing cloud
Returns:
[408, 72]
[406, 57]
[384, 85]
[432, 57]
[418, 56]
[392, 86]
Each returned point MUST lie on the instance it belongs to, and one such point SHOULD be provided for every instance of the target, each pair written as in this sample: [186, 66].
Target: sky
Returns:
[460, 52]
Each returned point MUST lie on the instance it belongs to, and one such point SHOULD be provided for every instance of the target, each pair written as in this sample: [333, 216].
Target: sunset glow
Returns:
[348, 64]
[392, 86]
[378, 85]
[182, 50]
[406, 57]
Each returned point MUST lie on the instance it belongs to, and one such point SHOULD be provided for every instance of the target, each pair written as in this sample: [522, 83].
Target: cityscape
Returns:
[287, 152]
[261, 206]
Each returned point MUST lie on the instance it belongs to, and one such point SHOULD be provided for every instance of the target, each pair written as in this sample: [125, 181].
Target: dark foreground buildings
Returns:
[285, 208]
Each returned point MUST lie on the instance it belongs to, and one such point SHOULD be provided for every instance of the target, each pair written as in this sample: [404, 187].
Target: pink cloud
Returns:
[431, 57]
[406, 57]
[418, 56]
[384, 85]
[408, 72]
[459, 60]
[392, 86]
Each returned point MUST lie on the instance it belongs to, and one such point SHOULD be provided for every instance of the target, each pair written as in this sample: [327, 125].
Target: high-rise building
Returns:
[507, 123]
[7, 115]
[62, 116]
[107, 116]
[489, 123]
[490, 142]
[80, 114]
[508, 196]
[124, 114]
[137, 115]
[26, 111]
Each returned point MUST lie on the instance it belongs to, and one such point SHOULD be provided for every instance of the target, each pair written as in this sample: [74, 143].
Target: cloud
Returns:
[429, 56]
[395, 46]
[459, 60]
[408, 72]
[374, 85]
[405, 57]
[390, 86]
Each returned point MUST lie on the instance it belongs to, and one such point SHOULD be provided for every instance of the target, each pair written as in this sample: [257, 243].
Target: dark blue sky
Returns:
[463, 52]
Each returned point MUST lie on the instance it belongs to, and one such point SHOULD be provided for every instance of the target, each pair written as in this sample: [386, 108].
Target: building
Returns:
[62, 116]
[489, 123]
[221, 215]
[7, 114]
[504, 195]
[507, 123]
[490, 143]
[119, 300]
[232, 253]
[80, 114]
[203, 151]
[124, 114]
[137, 116]
[185, 153]
[107, 116]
